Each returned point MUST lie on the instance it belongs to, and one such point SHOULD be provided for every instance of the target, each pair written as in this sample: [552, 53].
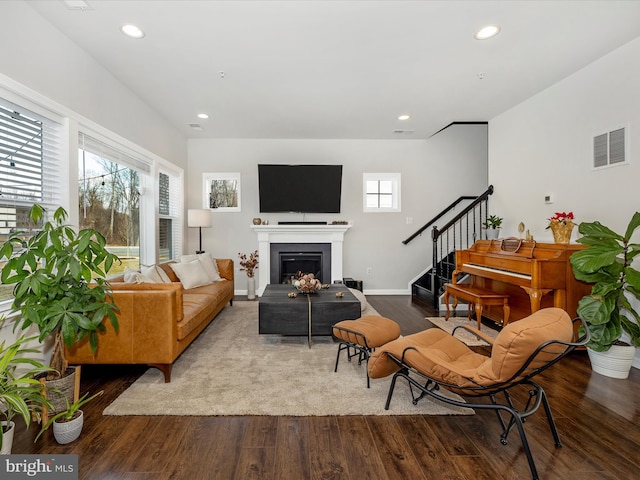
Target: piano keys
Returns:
[534, 275]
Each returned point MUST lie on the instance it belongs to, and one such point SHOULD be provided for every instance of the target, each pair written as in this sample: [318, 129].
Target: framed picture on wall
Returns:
[221, 191]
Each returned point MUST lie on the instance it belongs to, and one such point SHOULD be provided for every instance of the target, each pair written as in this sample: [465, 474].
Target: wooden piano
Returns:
[534, 275]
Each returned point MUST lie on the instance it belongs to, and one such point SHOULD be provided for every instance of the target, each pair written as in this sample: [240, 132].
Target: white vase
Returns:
[251, 288]
[7, 438]
[615, 362]
[67, 432]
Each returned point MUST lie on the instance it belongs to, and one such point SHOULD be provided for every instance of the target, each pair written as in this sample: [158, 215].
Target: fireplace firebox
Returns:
[287, 259]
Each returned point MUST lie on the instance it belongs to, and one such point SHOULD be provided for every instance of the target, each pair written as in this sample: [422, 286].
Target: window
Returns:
[169, 238]
[381, 192]
[30, 162]
[109, 197]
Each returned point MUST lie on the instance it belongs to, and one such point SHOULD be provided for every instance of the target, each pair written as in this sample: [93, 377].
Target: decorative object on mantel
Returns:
[561, 224]
[257, 221]
[249, 264]
[307, 283]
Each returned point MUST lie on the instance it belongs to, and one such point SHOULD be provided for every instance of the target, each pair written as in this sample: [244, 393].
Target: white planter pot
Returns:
[615, 362]
[67, 432]
[7, 438]
[492, 233]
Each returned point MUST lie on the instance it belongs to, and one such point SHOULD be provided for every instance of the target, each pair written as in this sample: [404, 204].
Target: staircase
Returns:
[460, 232]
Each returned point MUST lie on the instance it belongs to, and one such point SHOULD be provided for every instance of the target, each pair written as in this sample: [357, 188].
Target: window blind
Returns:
[30, 157]
[116, 155]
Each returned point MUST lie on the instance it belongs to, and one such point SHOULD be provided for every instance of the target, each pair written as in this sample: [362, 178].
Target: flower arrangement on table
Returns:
[561, 224]
[307, 283]
[250, 263]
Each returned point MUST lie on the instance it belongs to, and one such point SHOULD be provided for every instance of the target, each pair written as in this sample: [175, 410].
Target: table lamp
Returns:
[199, 218]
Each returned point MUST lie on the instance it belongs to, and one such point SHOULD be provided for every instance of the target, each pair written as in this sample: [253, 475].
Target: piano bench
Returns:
[477, 298]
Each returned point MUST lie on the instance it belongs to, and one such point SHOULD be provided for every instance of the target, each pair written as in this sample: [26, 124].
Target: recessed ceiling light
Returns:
[77, 5]
[487, 32]
[203, 115]
[132, 31]
[404, 117]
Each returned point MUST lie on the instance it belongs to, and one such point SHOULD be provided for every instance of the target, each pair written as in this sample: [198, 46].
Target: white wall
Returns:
[544, 145]
[435, 172]
[35, 54]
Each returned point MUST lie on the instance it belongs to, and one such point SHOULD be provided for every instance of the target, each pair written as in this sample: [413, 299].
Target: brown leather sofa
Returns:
[157, 321]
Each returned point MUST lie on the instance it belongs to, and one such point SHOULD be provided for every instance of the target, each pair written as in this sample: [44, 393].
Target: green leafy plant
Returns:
[492, 221]
[20, 393]
[607, 262]
[59, 276]
[71, 412]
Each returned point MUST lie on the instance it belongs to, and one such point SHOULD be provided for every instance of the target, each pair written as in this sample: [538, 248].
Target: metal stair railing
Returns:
[458, 233]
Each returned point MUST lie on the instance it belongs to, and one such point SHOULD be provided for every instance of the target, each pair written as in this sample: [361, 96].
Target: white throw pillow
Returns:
[150, 274]
[208, 262]
[132, 276]
[191, 274]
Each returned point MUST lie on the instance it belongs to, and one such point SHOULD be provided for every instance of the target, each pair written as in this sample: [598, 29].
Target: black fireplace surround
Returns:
[289, 258]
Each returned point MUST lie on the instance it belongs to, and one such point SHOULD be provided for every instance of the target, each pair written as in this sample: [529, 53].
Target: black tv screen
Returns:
[300, 188]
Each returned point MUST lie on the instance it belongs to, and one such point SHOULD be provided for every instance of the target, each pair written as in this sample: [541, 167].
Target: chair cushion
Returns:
[377, 330]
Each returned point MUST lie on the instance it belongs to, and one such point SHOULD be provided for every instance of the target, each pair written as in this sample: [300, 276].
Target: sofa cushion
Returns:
[207, 261]
[191, 274]
[153, 274]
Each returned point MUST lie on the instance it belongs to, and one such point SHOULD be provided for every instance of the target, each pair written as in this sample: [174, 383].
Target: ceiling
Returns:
[340, 69]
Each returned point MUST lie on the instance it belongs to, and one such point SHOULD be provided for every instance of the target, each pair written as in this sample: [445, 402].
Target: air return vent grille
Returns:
[610, 148]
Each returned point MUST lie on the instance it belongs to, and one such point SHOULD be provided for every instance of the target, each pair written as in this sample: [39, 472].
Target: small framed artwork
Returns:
[222, 191]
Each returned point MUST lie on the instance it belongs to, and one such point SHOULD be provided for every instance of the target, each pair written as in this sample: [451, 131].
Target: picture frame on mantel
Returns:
[222, 191]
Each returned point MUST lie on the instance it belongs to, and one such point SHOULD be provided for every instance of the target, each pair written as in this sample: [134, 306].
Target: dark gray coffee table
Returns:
[312, 314]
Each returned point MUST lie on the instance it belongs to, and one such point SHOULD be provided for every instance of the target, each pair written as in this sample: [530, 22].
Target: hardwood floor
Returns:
[598, 443]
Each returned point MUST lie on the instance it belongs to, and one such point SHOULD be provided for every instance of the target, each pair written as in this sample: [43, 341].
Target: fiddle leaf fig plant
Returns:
[607, 262]
[60, 286]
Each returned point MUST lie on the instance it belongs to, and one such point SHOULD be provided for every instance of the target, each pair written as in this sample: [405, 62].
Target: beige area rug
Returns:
[232, 370]
[463, 335]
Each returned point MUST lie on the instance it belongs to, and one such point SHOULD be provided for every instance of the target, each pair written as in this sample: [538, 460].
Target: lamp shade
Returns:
[199, 218]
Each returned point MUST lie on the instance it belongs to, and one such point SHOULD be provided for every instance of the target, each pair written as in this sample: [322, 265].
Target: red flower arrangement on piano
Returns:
[561, 217]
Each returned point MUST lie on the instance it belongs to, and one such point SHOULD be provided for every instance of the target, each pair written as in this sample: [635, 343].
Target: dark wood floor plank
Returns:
[292, 449]
[393, 449]
[261, 432]
[326, 450]
[427, 448]
[360, 449]
[256, 463]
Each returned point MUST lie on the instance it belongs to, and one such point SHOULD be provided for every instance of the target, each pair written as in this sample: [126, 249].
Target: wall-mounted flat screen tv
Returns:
[300, 188]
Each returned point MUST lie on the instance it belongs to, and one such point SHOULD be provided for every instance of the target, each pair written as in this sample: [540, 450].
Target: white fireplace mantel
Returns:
[305, 233]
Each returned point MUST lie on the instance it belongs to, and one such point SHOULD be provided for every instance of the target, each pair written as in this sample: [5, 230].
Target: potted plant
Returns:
[67, 424]
[607, 311]
[60, 287]
[249, 264]
[20, 393]
[492, 226]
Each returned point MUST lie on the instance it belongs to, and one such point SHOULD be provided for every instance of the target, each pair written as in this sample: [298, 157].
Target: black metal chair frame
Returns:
[357, 347]
[523, 376]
